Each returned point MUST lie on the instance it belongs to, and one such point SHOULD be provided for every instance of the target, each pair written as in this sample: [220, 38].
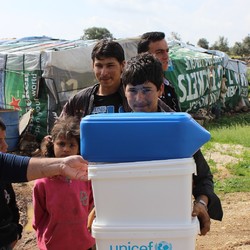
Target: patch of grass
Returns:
[242, 168]
[234, 184]
[225, 121]
[212, 163]
[234, 130]
[231, 130]
[236, 134]
[214, 169]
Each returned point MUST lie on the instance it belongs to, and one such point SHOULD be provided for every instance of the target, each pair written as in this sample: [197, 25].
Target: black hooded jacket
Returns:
[203, 180]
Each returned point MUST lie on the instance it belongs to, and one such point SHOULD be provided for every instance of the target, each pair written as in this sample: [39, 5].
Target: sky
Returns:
[190, 19]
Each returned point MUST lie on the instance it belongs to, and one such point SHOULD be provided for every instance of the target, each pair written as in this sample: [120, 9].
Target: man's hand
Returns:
[74, 167]
[200, 211]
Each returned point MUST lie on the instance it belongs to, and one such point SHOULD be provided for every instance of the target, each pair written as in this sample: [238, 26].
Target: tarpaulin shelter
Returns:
[41, 73]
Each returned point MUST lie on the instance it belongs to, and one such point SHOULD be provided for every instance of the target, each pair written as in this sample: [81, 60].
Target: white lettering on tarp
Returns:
[196, 63]
[230, 80]
[29, 79]
[231, 91]
[71, 84]
[26, 89]
[35, 123]
[33, 84]
[235, 78]
[191, 84]
[182, 87]
[236, 82]
[203, 101]
[38, 117]
[243, 79]
[201, 78]
[194, 85]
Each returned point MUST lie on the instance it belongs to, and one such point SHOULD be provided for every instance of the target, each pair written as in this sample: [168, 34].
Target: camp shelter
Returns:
[41, 73]
[206, 78]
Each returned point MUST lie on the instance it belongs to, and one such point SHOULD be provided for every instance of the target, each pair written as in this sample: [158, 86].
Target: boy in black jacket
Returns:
[142, 79]
[10, 229]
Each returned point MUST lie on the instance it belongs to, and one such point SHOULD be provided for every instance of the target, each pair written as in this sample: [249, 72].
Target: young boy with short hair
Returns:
[142, 79]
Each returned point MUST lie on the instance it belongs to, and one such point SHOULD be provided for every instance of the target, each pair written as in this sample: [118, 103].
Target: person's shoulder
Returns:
[167, 83]
[164, 107]
[84, 92]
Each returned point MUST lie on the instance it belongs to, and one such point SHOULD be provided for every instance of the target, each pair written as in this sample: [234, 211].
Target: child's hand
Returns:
[91, 218]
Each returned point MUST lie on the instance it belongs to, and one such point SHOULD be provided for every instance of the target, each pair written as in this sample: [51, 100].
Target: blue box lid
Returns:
[127, 137]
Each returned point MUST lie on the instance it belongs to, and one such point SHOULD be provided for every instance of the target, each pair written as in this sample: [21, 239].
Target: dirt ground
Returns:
[233, 232]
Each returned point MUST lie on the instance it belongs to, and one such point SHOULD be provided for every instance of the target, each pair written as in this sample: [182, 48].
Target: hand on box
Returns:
[91, 218]
[200, 210]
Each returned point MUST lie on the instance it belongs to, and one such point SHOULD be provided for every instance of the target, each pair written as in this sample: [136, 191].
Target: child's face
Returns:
[64, 147]
[3, 144]
[143, 97]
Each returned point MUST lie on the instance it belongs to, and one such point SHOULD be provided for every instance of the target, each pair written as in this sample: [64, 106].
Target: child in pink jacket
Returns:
[61, 205]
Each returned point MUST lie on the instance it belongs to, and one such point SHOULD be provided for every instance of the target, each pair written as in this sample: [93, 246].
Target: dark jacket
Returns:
[169, 96]
[13, 168]
[82, 103]
[203, 181]
[10, 229]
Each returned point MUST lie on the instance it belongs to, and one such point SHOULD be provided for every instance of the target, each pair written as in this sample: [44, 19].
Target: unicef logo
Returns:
[151, 245]
[163, 245]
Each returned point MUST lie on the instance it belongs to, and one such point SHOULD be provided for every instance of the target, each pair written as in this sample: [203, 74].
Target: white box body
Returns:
[143, 193]
[171, 237]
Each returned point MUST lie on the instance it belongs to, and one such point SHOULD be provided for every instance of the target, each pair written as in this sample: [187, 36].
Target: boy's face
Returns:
[143, 97]
[160, 50]
[108, 73]
[3, 144]
[65, 147]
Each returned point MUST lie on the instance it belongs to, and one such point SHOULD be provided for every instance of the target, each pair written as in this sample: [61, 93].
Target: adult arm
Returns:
[74, 167]
[15, 168]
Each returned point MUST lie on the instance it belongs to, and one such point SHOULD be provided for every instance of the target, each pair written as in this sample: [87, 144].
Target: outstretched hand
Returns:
[75, 167]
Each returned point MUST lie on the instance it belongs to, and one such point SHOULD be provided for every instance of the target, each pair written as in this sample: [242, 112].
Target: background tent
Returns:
[41, 73]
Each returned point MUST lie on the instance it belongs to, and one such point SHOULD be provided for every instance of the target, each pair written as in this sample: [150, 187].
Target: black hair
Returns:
[143, 68]
[108, 48]
[147, 38]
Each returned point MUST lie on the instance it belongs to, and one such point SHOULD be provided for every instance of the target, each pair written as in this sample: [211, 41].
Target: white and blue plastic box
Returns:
[129, 137]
